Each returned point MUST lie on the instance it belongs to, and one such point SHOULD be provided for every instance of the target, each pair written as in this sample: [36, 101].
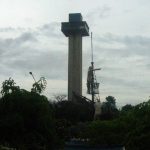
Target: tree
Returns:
[74, 111]
[131, 128]
[111, 101]
[109, 109]
[127, 107]
[26, 120]
[39, 86]
[8, 86]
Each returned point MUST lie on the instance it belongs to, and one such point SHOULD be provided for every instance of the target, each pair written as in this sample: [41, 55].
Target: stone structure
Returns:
[75, 29]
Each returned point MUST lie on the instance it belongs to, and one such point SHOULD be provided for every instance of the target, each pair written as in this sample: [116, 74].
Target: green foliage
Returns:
[70, 115]
[8, 86]
[107, 130]
[109, 109]
[26, 120]
[39, 86]
[74, 111]
[127, 107]
[131, 128]
[111, 101]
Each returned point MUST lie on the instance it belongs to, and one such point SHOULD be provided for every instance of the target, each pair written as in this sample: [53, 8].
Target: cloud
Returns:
[14, 47]
[122, 46]
[46, 64]
[44, 51]
[8, 29]
[127, 40]
[12, 42]
[26, 37]
[27, 53]
[124, 61]
[50, 30]
[98, 13]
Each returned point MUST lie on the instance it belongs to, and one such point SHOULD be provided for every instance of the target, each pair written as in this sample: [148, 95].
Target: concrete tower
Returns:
[74, 30]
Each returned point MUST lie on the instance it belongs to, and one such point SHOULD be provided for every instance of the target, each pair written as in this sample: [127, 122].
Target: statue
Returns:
[89, 80]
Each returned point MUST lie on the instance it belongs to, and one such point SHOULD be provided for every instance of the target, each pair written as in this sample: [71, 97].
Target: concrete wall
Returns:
[75, 66]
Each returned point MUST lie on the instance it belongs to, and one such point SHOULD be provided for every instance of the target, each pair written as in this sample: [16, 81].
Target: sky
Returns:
[31, 40]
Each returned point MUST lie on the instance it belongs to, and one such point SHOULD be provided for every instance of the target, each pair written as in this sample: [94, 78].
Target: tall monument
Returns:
[75, 29]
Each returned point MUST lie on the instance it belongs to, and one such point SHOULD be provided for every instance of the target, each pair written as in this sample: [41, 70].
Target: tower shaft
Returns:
[75, 66]
[75, 29]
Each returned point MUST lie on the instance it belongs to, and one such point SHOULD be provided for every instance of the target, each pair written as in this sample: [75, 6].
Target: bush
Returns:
[26, 121]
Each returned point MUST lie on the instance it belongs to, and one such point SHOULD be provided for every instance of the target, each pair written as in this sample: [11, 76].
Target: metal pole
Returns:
[91, 48]
[32, 76]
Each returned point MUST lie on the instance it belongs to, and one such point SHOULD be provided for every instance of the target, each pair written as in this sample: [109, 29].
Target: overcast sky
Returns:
[31, 40]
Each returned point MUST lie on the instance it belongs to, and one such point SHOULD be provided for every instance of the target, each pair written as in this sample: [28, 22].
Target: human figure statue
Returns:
[89, 80]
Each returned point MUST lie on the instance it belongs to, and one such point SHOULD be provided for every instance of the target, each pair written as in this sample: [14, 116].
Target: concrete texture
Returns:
[75, 66]
[75, 29]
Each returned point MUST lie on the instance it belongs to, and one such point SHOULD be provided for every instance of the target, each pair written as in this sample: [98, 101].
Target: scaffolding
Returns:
[92, 84]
